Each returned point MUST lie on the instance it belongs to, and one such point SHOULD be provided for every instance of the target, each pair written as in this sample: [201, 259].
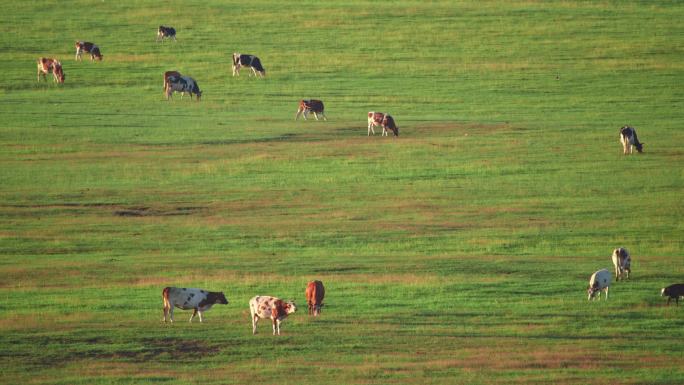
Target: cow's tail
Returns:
[165, 298]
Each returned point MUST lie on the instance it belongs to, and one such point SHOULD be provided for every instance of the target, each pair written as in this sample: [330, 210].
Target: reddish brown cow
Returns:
[314, 297]
[49, 65]
[87, 47]
[167, 75]
[384, 120]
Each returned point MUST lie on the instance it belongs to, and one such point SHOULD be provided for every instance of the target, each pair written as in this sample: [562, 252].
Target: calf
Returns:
[49, 65]
[673, 291]
[314, 297]
[622, 262]
[629, 140]
[166, 32]
[599, 281]
[88, 47]
[186, 299]
[251, 61]
[182, 84]
[270, 307]
[383, 120]
[307, 106]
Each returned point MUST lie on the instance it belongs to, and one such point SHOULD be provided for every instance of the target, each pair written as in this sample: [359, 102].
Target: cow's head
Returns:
[317, 309]
[592, 290]
[290, 307]
[199, 95]
[664, 292]
[639, 147]
[60, 74]
[221, 298]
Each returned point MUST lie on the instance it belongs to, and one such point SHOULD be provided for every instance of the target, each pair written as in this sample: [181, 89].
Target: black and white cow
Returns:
[166, 32]
[88, 47]
[196, 299]
[312, 105]
[182, 84]
[673, 291]
[629, 140]
[251, 61]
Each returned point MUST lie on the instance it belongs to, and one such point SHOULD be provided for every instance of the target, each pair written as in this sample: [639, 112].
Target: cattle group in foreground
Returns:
[276, 309]
[629, 140]
[311, 106]
[166, 33]
[179, 83]
[49, 65]
[197, 300]
[250, 61]
[622, 262]
[88, 47]
[315, 292]
[384, 120]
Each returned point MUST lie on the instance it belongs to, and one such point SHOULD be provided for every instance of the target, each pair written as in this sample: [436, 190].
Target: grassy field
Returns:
[457, 253]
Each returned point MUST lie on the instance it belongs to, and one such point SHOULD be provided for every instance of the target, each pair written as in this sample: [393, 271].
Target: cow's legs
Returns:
[171, 314]
[276, 326]
[315, 115]
[194, 312]
[166, 312]
[370, 128]
[323, 115]
[255, 321]
[199, 312]
[606, 294]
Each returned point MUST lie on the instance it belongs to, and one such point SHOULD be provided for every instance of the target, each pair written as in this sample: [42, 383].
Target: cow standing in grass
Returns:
[49, 65]
[182, 84]
[196, 299]
[599, 281]
[384, 120]
[251, 61]
[166, 32]
[88, 47]
[312, 105]
[270, 307]
[629, 140]
[673, 291]
[314, 297]
[622, 262]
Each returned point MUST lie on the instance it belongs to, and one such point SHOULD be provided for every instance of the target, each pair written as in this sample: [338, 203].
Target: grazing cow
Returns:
[49, 65]
[270, 307]
[383, 120]
[599, 281]
[622, 262]
[87, 47]
[182, 84]
[251, 61]
[629, 140]
[673, 291]
[312, 105]
[186, 299]
[166, 32]
[314, 297]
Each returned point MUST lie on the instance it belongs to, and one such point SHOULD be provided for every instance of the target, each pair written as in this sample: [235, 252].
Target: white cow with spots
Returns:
[599, 281]
[196, 299]
[622, 262]
[276, 309]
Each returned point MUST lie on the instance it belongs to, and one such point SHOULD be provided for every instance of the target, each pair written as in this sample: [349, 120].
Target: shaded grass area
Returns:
[457, 253]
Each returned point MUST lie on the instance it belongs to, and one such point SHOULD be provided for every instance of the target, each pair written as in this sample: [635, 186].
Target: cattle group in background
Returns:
[673, 292]
[250, 61]
[315, 292]
[599, 281]
[311, 106]
[629, 140]
[270, 307]
[166, 32]
[622, 262]
[88, 47]
[53, 66]
[384, 120]
[182, 84]
[196, 299]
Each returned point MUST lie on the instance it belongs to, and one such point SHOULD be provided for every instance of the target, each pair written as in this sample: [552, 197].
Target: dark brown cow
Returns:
[49, 65]
[88, 47]
[312, 105]
[673, 292]
[314, 297]
[384, 120]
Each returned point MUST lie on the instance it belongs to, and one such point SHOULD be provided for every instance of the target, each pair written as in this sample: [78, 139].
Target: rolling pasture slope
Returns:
[457, 253]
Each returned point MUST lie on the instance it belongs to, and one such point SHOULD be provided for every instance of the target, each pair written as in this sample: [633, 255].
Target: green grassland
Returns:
[457, 253]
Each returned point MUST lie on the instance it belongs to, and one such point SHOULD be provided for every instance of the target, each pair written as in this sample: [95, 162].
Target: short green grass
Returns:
[456, 253]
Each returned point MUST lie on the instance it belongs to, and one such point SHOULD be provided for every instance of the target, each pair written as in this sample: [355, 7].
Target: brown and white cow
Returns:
[276, 309]
[167, 75]
[87, 47]
[311, 105]
[629, 140]
[314, 297]
[182, 84]
[622, 262]
[384, 120]
[49, 65]
[251, 61]
[166, 32]
[196, 299]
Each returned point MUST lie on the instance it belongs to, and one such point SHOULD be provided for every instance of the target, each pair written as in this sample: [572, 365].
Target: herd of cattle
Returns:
[174, 81]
